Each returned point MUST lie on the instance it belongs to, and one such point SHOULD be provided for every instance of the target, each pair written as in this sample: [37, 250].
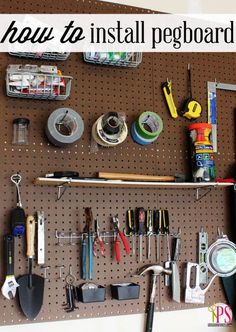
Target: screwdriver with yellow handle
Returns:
[131, 228]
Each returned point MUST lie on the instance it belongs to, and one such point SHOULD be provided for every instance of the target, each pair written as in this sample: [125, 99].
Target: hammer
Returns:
[156, 271]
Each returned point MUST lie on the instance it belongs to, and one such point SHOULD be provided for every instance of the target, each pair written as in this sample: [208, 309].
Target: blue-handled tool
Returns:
[90, 253]
[87, 237]
[83, 257]
[17, 214]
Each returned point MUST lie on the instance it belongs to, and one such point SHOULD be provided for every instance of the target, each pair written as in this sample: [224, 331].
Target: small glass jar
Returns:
[20, 131]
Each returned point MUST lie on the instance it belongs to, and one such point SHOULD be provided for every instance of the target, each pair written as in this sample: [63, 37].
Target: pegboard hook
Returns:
[198, 196]
[61, 188]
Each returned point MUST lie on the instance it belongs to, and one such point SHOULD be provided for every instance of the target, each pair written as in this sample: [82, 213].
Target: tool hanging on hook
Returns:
[191, 108]
[167, 89]
[156, 271]
[10, 285]
[98, 239]
[18, 217]
[120, 234]
[87, 237]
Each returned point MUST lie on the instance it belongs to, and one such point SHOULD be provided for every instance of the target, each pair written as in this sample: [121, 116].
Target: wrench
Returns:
[10, 285]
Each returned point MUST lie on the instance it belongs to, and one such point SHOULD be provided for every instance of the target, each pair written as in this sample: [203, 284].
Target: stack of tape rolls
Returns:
[147, 128]
[110, 129]
[64, 127]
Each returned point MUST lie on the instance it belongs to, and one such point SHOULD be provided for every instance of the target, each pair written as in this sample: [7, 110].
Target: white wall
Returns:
[194, 320]
[184, 6]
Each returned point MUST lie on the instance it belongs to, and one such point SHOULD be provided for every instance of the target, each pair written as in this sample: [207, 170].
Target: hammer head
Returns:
[155, 269]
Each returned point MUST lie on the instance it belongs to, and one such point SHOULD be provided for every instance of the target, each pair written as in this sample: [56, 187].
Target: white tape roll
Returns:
[64, 127]
[96, 137]
[108, 140]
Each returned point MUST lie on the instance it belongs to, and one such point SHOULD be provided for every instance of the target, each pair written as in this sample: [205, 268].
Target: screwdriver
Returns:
[131, 228]
[149, 230]
[175, 277]
[167, 264]
[156, 225]
[141, 230]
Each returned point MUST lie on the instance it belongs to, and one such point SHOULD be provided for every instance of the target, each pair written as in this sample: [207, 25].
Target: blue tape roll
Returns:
[138, 139]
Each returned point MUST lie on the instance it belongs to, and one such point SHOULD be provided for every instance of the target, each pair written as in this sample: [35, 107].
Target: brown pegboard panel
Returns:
[96, 90]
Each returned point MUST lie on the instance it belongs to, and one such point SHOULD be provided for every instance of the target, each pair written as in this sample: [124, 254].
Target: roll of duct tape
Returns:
[111, 123]
[102, 137]
[138, 139]
[64, 127]
[149, 125]
[96, 137]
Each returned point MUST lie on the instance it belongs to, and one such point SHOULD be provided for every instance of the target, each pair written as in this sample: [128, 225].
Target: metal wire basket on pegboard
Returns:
[119, 59]
[37, 82]
[42, 55]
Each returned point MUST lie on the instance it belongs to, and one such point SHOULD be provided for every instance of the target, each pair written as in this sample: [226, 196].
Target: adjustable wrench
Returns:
[10, 285]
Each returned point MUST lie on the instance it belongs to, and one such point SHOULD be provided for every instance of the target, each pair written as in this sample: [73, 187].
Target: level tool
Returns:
[202, 251]
[221, 261]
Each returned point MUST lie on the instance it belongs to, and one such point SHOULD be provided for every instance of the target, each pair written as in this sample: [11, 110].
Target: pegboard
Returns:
[96, 90]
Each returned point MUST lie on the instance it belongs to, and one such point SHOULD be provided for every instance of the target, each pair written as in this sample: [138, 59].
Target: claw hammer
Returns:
[156, 271]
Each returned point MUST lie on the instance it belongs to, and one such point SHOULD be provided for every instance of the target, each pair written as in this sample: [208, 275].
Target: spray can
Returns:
[202, 157]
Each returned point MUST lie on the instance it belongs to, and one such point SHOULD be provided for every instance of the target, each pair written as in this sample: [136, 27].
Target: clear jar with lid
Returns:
[20, 131]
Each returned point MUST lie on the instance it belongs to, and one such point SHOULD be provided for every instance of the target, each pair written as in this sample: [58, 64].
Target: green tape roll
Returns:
[149, 125]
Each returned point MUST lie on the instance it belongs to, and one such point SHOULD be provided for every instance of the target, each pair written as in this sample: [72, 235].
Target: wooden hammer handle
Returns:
[135, 177]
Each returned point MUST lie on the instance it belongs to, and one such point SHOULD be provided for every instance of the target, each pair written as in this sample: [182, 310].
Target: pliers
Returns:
[116, 225]
[99, 240]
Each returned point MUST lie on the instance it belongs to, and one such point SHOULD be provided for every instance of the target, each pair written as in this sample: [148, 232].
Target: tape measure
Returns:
[191, 108]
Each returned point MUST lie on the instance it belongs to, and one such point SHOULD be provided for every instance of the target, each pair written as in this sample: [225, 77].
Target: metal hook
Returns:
[198, 197]
[16, 179]
[61, 188]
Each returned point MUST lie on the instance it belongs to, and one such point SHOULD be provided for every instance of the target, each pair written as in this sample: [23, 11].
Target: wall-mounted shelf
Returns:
[93, 182]
[124, 184]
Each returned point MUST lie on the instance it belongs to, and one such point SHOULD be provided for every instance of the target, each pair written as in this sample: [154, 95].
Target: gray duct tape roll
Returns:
[64, 127]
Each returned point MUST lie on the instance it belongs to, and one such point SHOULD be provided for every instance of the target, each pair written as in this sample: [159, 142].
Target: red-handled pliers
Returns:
[99, 240]
[116, 224]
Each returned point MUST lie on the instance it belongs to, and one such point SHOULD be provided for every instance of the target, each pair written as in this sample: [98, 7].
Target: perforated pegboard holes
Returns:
[97, 90]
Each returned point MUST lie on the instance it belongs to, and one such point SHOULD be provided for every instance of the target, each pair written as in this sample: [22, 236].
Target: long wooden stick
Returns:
[135, 177]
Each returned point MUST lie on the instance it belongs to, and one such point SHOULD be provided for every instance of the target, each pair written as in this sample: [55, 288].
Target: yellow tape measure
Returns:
[191, 109]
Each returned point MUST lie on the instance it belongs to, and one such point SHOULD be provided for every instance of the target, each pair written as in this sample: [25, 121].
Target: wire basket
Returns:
[119, 59]
[42, 55]
[37, 82]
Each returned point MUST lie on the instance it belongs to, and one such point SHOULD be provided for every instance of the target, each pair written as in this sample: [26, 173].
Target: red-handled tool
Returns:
[116, 224]
[99, 240]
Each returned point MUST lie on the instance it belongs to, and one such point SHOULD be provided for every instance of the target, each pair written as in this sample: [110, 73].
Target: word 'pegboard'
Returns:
[96, 90]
